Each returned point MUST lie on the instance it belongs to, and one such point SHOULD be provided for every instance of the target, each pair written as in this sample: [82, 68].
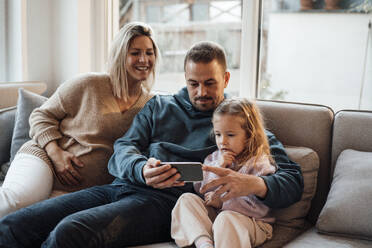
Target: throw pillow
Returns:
[347, 211]
[294, 216]
[27, 102]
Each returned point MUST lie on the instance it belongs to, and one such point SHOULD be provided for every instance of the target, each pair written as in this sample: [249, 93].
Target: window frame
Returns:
[249, 63]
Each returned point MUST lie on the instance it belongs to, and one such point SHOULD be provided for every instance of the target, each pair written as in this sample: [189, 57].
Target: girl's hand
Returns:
[212, 200]
[226, 159]
[64, 164]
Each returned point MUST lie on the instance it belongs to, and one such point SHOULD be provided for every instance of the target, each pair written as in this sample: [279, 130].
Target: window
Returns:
[179, 24]
[316, 56]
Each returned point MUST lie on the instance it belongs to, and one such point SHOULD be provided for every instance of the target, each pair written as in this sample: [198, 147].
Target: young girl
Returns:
[238, 222]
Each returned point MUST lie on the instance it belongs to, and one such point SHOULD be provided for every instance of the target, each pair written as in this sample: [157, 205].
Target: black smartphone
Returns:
[190, 171]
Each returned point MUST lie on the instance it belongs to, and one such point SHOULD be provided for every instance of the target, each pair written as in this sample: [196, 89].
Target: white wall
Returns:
[15, 53]
[2, 41]
[57, 40]
[39, 41]
[64, 35]
[319, 57]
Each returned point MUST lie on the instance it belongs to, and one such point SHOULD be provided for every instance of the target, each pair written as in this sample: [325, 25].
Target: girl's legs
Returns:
[190, 221]
[231, 229]
[29, 180]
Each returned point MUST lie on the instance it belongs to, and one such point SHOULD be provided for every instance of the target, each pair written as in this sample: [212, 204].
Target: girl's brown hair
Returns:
[256, 143]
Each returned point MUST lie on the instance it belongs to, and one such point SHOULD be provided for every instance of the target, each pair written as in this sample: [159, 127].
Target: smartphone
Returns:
[190, 171]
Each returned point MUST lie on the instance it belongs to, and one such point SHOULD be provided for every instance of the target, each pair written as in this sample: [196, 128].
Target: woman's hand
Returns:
[213, 200]
[234, 184]
[64, 164]
[226, 159]
[160, 176]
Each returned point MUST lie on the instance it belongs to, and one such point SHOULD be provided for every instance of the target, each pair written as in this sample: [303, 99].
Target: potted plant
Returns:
[364, 7]
[331, 4]
[307, 4]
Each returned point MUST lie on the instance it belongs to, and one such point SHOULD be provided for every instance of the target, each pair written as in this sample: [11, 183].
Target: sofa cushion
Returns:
[158, 245]
[27, 102]
[312, 239]
[348, 211]
[6, 130]
[281, 236]
[294, 216]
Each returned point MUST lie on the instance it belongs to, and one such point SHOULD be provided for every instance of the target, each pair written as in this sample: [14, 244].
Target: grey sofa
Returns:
[315, 137]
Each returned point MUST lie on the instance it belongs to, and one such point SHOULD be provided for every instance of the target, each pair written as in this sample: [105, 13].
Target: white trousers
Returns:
[29, 180]
[190, 220]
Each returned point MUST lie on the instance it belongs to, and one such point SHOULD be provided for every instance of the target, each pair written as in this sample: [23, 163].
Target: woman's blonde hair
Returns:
[116, 63]
[251, 121]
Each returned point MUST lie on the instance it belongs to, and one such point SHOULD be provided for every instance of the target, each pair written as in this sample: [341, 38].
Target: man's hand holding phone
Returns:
[160, 176]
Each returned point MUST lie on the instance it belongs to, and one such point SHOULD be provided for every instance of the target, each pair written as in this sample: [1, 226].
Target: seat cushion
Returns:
[348, 211]
[282, 235]
[312, 239]
[158, 245]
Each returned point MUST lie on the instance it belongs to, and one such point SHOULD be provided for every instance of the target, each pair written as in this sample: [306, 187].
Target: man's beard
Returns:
[211, 105]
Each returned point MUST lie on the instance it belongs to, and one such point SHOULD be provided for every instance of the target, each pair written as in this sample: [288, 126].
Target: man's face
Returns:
[205, 84]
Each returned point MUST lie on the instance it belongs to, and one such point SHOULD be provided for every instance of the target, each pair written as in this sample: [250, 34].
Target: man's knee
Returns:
[12, 231]
[70, 232]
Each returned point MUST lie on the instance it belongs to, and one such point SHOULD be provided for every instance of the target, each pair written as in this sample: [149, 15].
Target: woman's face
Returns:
[140, 59]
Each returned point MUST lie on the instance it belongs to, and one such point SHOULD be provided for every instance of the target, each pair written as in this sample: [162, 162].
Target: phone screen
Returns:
[190, 171]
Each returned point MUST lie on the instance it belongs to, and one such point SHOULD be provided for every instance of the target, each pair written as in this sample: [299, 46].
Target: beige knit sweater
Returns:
[84, 118]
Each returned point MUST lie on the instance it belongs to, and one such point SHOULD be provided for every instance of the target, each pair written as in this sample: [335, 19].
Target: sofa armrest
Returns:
[9, 91]
[7, 116]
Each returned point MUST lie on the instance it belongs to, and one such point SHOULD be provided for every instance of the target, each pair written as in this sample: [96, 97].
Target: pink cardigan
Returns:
[246, 205]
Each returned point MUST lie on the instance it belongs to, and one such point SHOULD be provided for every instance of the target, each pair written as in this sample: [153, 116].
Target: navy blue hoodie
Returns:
[169, 128]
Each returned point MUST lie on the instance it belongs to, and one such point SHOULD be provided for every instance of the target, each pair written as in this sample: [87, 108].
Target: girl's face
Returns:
[140, 59]
[230, 136]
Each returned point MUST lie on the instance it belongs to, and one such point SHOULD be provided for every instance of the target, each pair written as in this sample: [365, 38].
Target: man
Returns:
[136, 208]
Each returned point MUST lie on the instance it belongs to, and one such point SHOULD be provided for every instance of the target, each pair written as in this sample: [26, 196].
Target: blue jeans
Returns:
[101, 216]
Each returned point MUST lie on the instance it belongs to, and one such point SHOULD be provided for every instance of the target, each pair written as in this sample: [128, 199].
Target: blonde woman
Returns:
[74, 131]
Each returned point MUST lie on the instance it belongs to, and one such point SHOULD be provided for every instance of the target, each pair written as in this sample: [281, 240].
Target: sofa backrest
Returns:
[304, 125]
[351, 130]
[9, 91]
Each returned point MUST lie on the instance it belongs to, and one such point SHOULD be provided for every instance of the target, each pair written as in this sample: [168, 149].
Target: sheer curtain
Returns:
[2, 41]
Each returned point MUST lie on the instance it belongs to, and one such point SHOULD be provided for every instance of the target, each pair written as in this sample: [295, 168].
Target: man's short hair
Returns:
[206, 52]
